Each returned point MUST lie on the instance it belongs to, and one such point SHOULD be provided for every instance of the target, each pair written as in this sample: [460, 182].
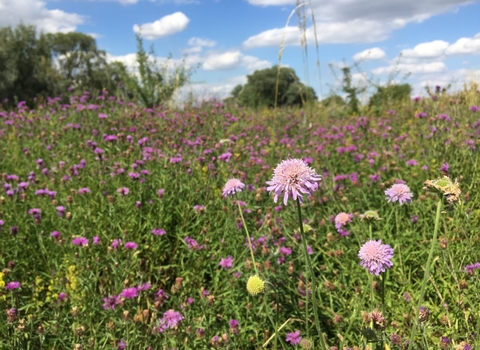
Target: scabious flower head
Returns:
[293, 338]
[370, 215]
[255, 285]
[399, 193]
[444, 186]
[342, 219]
[293, 177]
[375, 256]
[232, 186]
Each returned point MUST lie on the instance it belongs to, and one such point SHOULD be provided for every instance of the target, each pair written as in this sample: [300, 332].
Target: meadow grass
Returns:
[114, 225]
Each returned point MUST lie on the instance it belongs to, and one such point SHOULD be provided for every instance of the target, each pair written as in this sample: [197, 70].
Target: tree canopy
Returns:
[259, 91]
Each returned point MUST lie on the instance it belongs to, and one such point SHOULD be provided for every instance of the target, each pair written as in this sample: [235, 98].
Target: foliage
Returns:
[259, 91]
[390, 94]
[155, 84]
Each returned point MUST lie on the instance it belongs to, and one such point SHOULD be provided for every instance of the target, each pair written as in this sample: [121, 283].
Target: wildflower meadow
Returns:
[217, 227]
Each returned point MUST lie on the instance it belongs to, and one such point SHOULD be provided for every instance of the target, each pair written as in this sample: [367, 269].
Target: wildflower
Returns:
[293, 177]
[61, 211]
[406, 297]
[116, 243]
[411, 162]
[293, 338]
[232, 186]
[375, 256]
[234, 325]
[470, 269]
[111, 302]
[424, 314]
[81, 241]
[96, 240]
[123, 191]
[11, 315]
[199, 208]
[444, 168]
[170, 319]
[130, 245]
[370, 215]
[227, 262]
[129, 293]
[121, 345]
[399, 193]
[83, 190]
[444, 186]
[341, 220]
[13, 285]
[445, 343]
[62, 296]
[158, 231]
[378, 320]
[255, 285]
[161, 192]
[55, 234]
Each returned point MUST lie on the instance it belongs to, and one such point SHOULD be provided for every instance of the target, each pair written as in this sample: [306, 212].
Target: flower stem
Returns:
[248, 236]
[310, 272]
[427, 271]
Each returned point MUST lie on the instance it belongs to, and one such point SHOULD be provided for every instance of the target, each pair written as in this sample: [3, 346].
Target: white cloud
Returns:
[375, 53]
[201, 42]
[35, 12]
[233, 59]
[465, 46]
[345, 21]
[431, 67]
[167, 25]
[433, 49]
[338, 32]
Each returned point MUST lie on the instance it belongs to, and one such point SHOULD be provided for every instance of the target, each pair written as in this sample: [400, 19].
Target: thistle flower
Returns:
[255, 285]
[375, 256]
[293, 338]
[424, 314]
[293, 177]
[232, 186]
[170, 319]
[399, 193]
[444, 186]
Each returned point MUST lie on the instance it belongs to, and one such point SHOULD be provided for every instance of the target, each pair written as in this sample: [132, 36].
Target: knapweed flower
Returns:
[129, 293]
[234, 325]
[130, 245]
[444, 186]
[111, 302]
[81, 241]
[399, 193]
[12, 285]
[159, 231]
[232, 186]
[341, 220]
[293, 177]
[293, 338]
[227, 262]
[170, 319]
[255, 285]
[375, 256]
[123, 191]
[423, 314]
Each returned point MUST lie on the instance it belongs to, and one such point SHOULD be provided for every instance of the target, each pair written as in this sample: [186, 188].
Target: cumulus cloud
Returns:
[465, 46]
[433, 49]
[201, 42]
[35, 12]
[431, 67]
[375, 53]
[345, 21]
[167, 25]
[233, 59]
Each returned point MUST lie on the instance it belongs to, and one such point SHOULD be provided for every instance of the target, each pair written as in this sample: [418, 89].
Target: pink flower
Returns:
[232, 186]
[170, 320]
[12, 285]
[375, 256]
[293, 177]
[399, 193]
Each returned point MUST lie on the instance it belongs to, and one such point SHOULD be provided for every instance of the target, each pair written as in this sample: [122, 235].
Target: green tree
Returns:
[390, 94]
[155, 83]
[259, 91]
[352, 91]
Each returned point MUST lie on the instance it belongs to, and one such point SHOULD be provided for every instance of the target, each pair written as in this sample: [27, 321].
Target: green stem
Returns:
[248, 236]
[310, 272]
[427, 272]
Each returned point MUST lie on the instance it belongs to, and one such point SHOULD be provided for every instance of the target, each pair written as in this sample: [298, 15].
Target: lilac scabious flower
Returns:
[293, 177]
[158, 231]
[399, 193]
[376, 257]
[294, 338]
[12, 285]
[341, 220]
[232, 186]
[227, 262]
[131, 245]
[111, 302]
[81, 241]
[129, 293]
[170, 319]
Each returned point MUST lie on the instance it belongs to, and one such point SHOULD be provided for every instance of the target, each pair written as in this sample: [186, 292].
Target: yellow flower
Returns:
[255, 285]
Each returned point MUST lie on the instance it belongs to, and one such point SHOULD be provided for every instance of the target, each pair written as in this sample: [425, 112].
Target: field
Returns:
[117, 230]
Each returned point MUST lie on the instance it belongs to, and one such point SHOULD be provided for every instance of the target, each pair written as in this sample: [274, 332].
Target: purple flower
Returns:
[60, 210]
[81, 241]
[294, 338]
[102, 116]
[121, 345]
[12, 285]
[131, 245]
[55, 234]
[129, 293]
[160, 192]
[444, 168]
[123, 191]
[227, 262]
[199, 208]
[111, 302]
[472, 267]
[233, 186]
[116, 243]
[399, 193]
[341, 220]
[96, 240]
[83, 190]
[375, 256]
[234, 325]
[293, 177]
[159, 231]
[62, 296]
[144, 287]
[411, 162]
[170, 320]
[35, 212]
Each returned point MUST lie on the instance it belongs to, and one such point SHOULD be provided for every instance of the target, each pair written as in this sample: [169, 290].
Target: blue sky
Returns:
[429, 42]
